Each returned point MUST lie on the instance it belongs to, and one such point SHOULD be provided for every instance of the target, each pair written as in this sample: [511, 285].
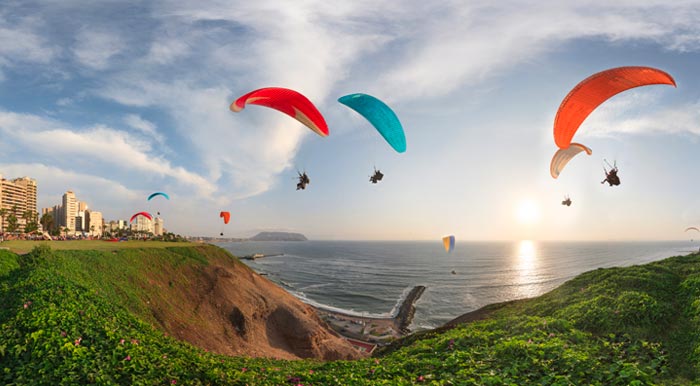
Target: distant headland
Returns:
[278, 236]
[262, 236]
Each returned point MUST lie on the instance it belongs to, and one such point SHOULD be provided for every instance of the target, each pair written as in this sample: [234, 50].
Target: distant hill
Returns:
[278, 236]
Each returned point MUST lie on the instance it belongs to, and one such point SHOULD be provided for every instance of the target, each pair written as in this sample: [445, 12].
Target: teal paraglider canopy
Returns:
[380, 116]
[158, 194]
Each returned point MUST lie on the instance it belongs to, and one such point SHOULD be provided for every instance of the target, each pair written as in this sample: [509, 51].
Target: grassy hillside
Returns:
[76, 318]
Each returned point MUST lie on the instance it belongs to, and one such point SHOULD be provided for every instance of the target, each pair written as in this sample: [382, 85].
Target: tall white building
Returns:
[94, 223]
[158, 226]
[70, 210]
[142, 224]
[18, 194]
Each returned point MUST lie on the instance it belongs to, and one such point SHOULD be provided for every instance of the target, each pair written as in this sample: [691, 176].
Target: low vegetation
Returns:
[72, 317]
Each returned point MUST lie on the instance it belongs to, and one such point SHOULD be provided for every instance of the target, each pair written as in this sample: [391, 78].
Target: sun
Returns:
[528, 212]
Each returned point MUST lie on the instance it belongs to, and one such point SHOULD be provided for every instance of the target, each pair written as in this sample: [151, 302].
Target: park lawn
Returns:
[24, 246]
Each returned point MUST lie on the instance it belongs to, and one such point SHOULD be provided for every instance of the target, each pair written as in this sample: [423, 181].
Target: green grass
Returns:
[63, 315]
[24, 246]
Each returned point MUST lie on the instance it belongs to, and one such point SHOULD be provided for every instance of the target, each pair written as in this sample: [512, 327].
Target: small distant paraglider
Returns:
[384, 120]
[583, 99]
[449, 243]
[376, 177]
[226, 216]
[611, 176]
[303, 181]
[156, 194]
[567, 201]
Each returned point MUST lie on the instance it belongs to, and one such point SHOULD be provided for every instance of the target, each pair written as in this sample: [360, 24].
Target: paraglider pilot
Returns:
[567, 201]
[376, 177]
[303, 181]
[611, 176]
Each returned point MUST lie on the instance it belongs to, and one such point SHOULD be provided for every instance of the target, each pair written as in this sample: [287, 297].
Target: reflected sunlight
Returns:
[526, 265]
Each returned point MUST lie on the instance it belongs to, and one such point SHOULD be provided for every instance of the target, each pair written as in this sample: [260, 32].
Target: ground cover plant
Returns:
[77, 317]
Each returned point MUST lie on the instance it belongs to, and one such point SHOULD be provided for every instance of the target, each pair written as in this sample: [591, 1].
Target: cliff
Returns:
[278, 236]
[205, 296]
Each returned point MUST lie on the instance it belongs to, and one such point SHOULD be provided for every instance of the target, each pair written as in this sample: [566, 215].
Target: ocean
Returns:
[371, 277]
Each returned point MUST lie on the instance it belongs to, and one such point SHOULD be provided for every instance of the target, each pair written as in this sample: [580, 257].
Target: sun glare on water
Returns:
[528, 212]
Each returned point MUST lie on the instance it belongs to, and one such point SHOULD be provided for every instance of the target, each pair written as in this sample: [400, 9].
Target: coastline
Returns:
[364, 332]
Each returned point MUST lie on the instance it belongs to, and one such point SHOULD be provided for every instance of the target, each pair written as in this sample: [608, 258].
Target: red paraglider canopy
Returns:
[287, 101]
[596, 89]
[226, 216]
[144, 214]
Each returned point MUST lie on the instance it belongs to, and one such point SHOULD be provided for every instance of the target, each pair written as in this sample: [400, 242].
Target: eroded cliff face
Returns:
[226, 308]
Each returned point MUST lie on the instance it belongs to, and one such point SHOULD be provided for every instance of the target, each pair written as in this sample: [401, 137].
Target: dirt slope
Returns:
[226, 308]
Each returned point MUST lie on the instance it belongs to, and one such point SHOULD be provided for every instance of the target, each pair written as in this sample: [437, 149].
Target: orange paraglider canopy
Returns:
[596, 89]
[226, 216]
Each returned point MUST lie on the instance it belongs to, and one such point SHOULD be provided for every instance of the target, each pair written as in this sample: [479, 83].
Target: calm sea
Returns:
[370, 278]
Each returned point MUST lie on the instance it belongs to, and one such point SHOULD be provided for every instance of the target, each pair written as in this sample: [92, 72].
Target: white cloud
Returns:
[94, 49]
[145, 126]
[196, 56]
[22, 41]
[416, 50]
[640, 112]
[100, 193]
[113, 147]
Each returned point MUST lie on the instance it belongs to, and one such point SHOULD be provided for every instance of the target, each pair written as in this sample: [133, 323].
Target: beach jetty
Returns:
[408, 309]
[259, 256]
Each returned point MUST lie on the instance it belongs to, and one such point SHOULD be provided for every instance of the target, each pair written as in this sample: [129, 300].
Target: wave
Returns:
[312, 286]
[395, 311]
[302, 296]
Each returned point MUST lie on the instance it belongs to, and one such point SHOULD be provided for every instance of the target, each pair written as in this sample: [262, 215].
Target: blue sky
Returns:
[115, 100]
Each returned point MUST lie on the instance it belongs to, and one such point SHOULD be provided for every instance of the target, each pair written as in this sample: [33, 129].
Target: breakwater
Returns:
[408, 309]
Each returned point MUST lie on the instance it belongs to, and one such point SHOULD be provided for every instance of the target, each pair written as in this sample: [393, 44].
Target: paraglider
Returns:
[567, 201]
[384, 120]
[226, 216]
[376, 177]
[692, 229]
[449, 243]
[611, 176]
[596, 89]
[563, 156]
[303, 180]
[144, 214]
[287, 101]
[380, 116]
[583, 99]
[158, 194]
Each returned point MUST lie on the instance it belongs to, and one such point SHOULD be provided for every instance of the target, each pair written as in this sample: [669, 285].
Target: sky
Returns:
[115, 100]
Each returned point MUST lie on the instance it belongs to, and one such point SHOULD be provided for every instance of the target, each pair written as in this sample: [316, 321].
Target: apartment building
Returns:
[18, 195]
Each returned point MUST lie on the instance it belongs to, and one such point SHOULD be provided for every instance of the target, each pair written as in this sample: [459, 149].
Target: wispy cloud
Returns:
[98, 143]
[146, 127]
[23, 42]
[100, 193]
[640, 112]
[94, 49]
[417, 51]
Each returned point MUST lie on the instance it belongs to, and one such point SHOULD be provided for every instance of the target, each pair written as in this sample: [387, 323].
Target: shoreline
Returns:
[372, 331]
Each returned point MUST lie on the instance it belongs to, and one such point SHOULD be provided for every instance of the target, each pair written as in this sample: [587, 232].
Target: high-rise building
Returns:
[69, 210]
[80, 221]
[142, 224]
[158, 226]
[17, 196]
[94, 224]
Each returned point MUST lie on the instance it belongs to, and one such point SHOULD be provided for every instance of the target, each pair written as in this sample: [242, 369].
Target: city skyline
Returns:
[120, 100]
